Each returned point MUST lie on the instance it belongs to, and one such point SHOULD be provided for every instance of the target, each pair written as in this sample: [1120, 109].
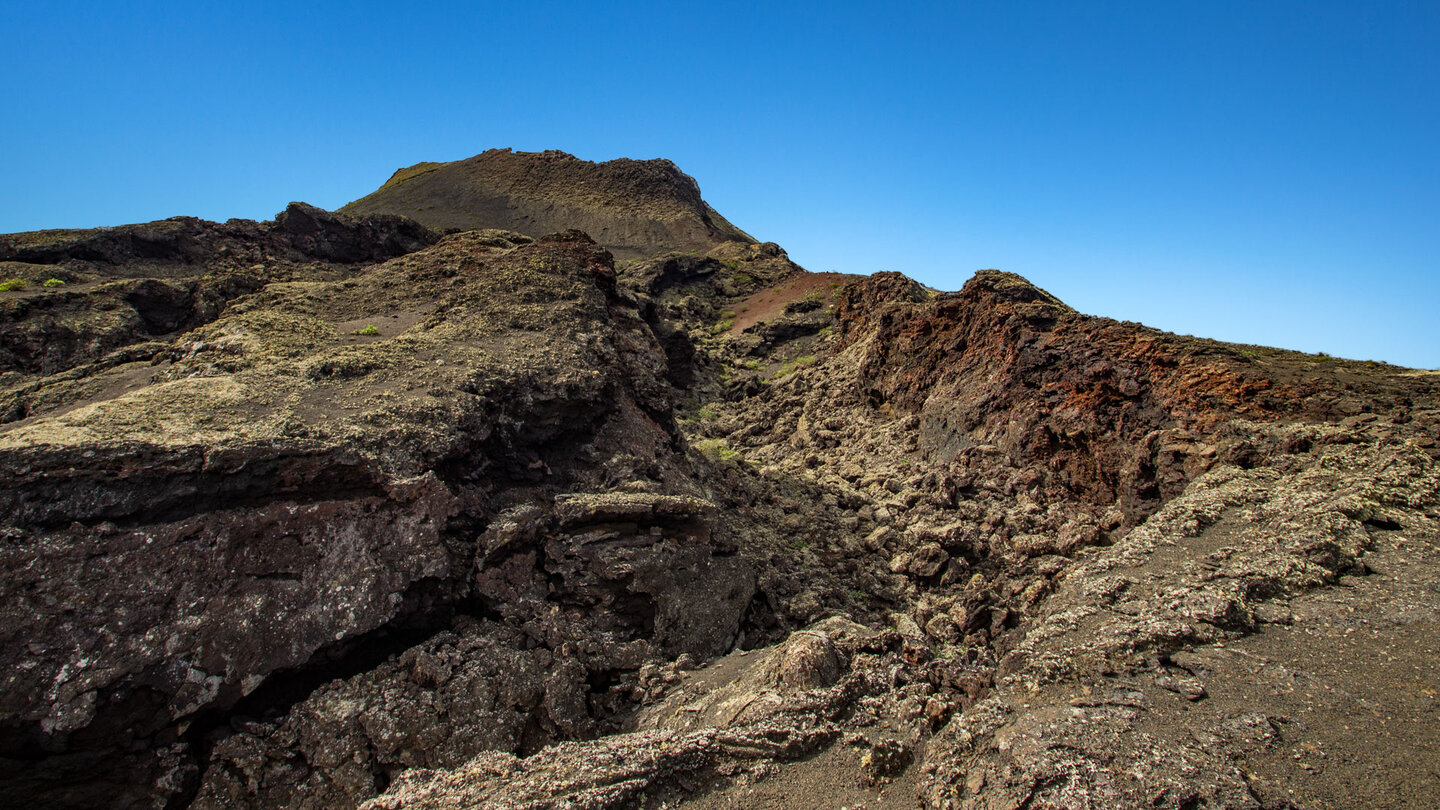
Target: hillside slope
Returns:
[632, 207]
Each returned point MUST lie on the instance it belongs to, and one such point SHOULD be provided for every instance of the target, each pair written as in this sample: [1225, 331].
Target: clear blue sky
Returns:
[1263, 172]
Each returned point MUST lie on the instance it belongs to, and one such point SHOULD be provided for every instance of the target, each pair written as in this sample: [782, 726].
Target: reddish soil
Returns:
[771, 302]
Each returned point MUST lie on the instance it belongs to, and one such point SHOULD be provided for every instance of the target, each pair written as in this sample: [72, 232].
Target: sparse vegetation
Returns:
[368, 331]
[795, 365]
[12, 284]
[716, 450]
[703, 413]
[54, 282]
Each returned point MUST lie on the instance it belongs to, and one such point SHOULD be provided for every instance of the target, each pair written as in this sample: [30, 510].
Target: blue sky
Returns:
[1261, 172]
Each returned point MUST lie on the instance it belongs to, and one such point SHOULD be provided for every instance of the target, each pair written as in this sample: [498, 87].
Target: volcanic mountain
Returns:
[632, 207]
[341, 510]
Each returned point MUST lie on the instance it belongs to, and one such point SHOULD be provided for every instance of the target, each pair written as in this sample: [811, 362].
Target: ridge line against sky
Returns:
[1258, 173]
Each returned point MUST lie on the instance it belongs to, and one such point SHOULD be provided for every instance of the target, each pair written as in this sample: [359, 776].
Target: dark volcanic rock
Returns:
[345, 741]
[132, 283]
[49, 334]
[331, 511]
[318, 233]
[338, 503]
[626, 566]
[623, 572]
[300, 232]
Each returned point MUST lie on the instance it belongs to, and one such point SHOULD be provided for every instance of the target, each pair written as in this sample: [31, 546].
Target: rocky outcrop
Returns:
[359, 491]
[1206, 643]
[633, 207]
[1205, 659]
[629, 566]
[85, 325]
[346, 741]
[333, 511]
[1087, 407]
[299, 233]
[114, 287]
[588, 591]
[778, 707]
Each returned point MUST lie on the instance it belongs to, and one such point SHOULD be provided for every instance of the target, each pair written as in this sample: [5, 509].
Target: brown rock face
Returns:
[632, 207]
[1107, 411]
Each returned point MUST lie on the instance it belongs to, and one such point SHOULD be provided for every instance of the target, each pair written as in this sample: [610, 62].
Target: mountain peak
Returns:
[633, 207]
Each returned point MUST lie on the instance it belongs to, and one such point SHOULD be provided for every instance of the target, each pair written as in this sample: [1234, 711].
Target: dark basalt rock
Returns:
[300, 232]
[264, 556]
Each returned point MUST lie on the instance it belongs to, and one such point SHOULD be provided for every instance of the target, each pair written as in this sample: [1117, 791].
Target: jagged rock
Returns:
[325, 511]
[1194, 575]
[340, 745]
[627, 567]
[321, 512]
[300, 232]
[927, 560]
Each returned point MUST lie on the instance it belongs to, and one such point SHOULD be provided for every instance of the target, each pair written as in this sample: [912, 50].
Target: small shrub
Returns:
[723, 326]
[716, 450]
[368, 330]
[54, 282]
[12, 284]
[742, 279]
[707, 413]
